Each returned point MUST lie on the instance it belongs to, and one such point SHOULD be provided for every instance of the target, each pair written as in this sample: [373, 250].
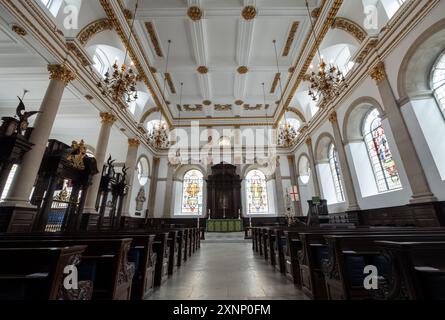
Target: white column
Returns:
[130, 164]
[153, 188]
[294, 182]
[108, 120]
[168, 192]
[344, 164]
[411, 162]
[26, 174]
[281, 208]
[314, 172]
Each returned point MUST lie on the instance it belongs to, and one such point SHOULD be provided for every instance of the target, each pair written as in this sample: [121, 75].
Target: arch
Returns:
[183, 169]
[143, 169]
[353, 119]
[95, 27]
[298, 113]
[304, 168]
[322, 147]
[256, 166]
[147, 114]
[351, 27]
[414, 74]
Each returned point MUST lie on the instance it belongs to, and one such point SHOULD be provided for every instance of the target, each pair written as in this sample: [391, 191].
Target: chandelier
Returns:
[329, 80]
[121, 82]
[287, 135]
[158, 135]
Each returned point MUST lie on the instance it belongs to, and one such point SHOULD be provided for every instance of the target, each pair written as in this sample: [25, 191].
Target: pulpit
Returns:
[224, 192]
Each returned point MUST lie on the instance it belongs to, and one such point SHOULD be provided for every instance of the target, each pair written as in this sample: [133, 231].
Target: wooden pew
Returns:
[417, 273]
[38, 274]
[173, 251]
[160, 247]
[104, 261]
[349, 254]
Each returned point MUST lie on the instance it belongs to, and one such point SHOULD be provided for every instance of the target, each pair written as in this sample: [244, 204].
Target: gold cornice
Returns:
[108, 118]
[94, 28]
[61, 72]
[350, 27]
[207, 102]
[290, 38]
[378, 73]
[309, 141]
[74, 47]
[372, 43]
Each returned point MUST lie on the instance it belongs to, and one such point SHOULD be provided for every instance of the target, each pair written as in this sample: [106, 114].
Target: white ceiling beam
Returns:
[180, 13]
[243, 53]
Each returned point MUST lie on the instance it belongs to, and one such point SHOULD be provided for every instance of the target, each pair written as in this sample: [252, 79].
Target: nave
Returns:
[227, 269]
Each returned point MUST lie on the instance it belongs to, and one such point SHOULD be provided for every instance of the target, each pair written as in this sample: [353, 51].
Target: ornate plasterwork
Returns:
[249, 12]
[94, 28]
[203, 69]
[192, 108]
[223, 107]
[239, 102]
[207, 102]
[170, 83]
[378, 73]
[61, 72]
[275, 83]
[350, 27]
[249, 107]
[242, 70]
[370, 45]
[290, 38]
[19, 30]
[77, 49]
[154, 39]
[195, 13]
[134, 143]
[108, 118]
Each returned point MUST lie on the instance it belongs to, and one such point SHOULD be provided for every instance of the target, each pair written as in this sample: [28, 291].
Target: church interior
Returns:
[222, 150]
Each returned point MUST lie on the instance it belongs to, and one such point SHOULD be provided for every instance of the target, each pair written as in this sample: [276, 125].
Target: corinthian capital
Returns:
[378, 73]
[108, 118]
[61, 72]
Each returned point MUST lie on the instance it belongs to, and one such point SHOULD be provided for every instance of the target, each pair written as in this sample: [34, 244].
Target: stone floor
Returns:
[225, 268]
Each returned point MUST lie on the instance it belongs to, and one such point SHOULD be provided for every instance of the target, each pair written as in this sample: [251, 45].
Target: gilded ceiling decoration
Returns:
[249, 12]
[239, 102]
[19, 30]
[290, 38]
[195, 13]
[255, 107]
[350, 27]
[154, 39]
[275, 83]
[170, 83]
[203, 70]
[94, 28]
[243, 70]
[192, 108]
[207, 102]
[223, 107]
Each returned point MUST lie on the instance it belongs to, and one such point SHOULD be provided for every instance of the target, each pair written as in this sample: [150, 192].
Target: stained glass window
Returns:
[256, 188]
[335, 171]
[385, 170]
[192, 193]
[438, 82]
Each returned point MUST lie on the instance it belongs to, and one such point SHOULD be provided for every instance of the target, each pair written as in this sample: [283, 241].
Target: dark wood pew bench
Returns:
[160, 247]
[173, 251]
[104, 262]
[417, 270]
[38, 274]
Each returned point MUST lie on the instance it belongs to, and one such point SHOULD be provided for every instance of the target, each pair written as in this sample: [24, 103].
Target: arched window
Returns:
[335, 171]
[438, 82]
[192, 191]
[304, 170]
[143, 169]
[256, 189]
[386, 174]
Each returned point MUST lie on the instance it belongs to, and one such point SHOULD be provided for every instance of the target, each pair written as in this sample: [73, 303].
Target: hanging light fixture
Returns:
[328, 81]
[121, 82]
[158, 133]
[287, 135]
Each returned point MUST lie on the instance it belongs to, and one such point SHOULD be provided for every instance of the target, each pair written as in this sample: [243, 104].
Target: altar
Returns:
[225, 225]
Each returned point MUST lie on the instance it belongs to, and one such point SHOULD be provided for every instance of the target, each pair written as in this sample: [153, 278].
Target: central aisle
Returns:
[225, 268]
